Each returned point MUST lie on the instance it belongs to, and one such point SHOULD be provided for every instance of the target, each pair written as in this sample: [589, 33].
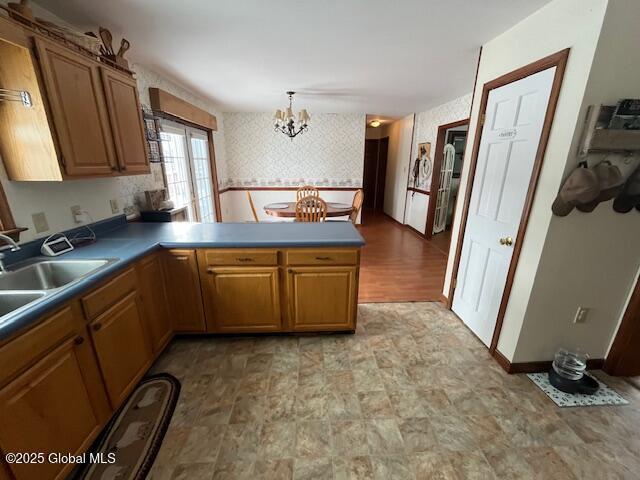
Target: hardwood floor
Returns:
[398, 265]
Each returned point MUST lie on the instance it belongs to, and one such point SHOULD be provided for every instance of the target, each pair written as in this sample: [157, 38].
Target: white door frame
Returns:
[558, 60]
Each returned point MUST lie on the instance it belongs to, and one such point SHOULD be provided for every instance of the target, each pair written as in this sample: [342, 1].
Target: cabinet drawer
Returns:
[241, 257]
[99, 300]
[322, 257]
[19, 353]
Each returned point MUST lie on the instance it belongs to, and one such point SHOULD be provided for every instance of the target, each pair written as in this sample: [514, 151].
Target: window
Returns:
[187, 168]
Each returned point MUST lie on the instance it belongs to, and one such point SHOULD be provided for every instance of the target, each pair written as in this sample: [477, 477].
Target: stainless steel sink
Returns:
[11, 301]
[49, 274]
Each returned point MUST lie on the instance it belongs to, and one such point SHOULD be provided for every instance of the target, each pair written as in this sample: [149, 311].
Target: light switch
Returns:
[40, 222]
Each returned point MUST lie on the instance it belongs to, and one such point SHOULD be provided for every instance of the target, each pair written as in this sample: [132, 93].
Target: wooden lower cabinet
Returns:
[154, 301]
[123, 351]
[182, 282]
[56, 405]
[242, 299]
[322, 298]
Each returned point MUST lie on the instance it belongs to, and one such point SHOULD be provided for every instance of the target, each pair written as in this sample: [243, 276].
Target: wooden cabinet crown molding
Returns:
[164, 102]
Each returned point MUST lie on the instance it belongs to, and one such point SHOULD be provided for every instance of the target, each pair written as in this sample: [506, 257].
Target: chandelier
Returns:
[286, 120]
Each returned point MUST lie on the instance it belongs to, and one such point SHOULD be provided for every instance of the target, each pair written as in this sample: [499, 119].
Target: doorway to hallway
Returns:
[375, 172]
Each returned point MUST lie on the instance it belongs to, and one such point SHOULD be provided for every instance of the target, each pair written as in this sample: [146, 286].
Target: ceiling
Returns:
[357, 56]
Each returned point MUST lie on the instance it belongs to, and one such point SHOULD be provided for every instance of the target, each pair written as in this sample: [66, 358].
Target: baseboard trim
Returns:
[535, 367]
[444, 300]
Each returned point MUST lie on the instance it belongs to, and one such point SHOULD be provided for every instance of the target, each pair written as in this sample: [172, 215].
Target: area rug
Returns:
[604, 395]
[130, 442]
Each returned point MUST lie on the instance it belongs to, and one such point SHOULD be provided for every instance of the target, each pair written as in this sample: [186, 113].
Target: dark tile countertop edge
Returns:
[125, 243]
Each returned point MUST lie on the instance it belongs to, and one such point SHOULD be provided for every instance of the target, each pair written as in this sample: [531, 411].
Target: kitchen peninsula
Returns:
[71, 357]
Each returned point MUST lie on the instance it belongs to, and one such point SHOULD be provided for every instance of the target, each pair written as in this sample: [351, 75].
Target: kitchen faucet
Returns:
[14, 248]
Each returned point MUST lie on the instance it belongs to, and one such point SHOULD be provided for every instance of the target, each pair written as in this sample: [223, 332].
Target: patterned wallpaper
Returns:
[330, 153]
[132, 188]
[427, 123]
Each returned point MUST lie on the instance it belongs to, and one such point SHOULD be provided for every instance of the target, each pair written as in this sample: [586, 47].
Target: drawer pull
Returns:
[97, 326]
[245, 259]
[78, 340]
[323, 258]
[181, 258]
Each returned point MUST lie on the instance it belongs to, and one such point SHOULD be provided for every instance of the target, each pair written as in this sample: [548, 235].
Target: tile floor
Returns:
[412, 395]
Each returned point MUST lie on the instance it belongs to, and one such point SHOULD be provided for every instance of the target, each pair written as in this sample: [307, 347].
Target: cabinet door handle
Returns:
[323, 258]
[245, 259]
[97, 326]
[211, 270]
[181, 258]
[78, 340]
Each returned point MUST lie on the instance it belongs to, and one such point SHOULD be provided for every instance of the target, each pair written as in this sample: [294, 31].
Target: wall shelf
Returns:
[596, 139]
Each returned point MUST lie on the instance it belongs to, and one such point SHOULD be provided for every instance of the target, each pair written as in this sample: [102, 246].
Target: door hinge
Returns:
[454, 283]
[483, 117]
[63, 161]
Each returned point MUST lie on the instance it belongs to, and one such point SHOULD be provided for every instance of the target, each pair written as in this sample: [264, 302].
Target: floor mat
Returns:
[133, 438]
[604, 395]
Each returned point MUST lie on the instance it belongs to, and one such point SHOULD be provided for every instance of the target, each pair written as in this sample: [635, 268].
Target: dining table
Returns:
[288, 209]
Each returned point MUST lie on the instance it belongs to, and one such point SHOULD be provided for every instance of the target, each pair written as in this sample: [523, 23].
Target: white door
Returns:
[510, 137]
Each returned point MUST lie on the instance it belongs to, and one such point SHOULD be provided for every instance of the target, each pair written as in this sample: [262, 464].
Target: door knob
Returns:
[508, 241]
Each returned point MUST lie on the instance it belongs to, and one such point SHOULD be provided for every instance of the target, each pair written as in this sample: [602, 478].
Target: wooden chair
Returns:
[358, 198]
[311, 209]
[253, 208]
[307, 191]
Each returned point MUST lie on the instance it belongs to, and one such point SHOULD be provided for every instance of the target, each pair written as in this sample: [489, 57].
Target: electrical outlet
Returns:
[581, 315]
[76, 213]
[40, 222]
[114, 205]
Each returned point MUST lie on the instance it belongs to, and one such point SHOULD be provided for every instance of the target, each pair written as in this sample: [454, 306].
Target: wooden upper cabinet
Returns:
[125, 115]
[182, 282]
[79, 112]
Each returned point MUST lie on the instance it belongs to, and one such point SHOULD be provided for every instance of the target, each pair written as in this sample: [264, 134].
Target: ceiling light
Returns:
[375, 123]
[285, 120]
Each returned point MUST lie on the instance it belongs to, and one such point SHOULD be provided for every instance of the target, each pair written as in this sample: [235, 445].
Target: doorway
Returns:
[516, 113]
[624, 356]
[188, 170]
[445, 181]
[375, 172]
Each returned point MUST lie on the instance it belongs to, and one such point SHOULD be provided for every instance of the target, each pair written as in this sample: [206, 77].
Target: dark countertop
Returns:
[131, 241]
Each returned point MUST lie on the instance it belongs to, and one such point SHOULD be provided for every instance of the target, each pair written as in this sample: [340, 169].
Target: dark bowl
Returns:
[563, 384]
[586, 385]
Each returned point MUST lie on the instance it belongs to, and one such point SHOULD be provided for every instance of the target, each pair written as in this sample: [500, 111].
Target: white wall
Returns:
[589, 259]
[56, 198]
[558, 25]
[400, 135]
[416, 211]
[330, 153]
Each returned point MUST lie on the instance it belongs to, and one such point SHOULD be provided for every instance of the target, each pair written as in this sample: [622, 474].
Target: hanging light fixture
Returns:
[286, 120]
